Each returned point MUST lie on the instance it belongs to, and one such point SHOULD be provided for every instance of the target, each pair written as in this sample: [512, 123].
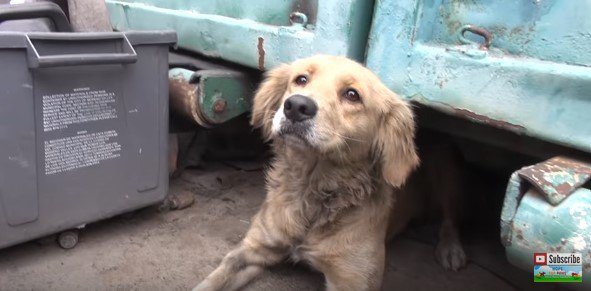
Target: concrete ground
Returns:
[173, 250]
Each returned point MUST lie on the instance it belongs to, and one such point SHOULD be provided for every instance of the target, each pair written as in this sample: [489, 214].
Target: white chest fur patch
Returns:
[277, 120]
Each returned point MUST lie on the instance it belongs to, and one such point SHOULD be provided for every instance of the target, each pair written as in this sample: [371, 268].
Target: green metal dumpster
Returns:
[258, 34]
[515, 65]
[255, 34]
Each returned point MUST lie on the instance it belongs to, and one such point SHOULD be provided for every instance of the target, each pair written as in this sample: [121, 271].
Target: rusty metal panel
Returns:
[258, 34]
[516, 65]
[546, 209]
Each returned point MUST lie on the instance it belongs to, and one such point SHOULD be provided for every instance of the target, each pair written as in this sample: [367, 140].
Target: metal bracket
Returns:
[209, 97]
[557, 178]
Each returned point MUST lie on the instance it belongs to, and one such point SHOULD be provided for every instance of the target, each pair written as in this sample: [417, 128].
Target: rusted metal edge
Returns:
[261, 52]
[184, 99]
[487, 120]
[557, 177]
[469, 115]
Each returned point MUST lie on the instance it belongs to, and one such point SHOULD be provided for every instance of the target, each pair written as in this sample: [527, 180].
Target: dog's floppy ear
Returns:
[268, 97]
[395, 141]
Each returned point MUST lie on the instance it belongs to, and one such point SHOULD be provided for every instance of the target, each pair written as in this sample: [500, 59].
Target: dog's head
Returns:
[335, 106]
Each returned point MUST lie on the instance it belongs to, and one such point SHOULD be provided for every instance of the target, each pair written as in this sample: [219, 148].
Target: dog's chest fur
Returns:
[318, 197]
[321, 189]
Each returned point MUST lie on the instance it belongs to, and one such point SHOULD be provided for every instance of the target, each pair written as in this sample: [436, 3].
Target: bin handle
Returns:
[129, 55]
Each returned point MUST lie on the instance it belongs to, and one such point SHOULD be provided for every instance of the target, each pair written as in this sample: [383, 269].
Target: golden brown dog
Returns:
[344, 148]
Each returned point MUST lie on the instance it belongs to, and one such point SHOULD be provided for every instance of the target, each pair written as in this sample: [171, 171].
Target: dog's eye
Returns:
[352, 95]
[301, 80]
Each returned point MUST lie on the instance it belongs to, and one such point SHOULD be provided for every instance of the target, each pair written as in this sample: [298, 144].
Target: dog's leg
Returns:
[354, 271]
[240, 266]
[264, 245]
[445, 176]
[449, 251]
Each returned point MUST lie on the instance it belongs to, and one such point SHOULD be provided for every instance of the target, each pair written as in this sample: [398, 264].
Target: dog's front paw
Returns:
[451, 255]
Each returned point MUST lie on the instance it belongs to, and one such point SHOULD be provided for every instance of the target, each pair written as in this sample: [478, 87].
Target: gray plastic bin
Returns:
[83, 128]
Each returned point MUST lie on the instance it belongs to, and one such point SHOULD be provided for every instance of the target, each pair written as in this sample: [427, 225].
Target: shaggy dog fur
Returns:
[336, 188]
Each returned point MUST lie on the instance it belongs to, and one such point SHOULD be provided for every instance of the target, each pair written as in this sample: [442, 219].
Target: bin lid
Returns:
[19, 39]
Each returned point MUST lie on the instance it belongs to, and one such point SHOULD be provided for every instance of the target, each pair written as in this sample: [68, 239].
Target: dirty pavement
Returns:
[171, 250]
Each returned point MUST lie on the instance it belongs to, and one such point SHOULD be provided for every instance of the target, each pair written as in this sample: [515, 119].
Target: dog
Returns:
[337, 189]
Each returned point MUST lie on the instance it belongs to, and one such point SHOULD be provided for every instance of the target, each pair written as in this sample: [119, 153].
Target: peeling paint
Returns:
[558, 177]
[520, 29]
[578, 243]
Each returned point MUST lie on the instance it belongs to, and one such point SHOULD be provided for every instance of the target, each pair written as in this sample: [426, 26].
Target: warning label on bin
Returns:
[83, 150]
[78, 106]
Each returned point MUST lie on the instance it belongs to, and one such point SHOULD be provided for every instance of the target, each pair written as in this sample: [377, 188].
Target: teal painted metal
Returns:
[536, 219]
[259, 11]
[223, 95]
[535, 79]
[257, 34]
[209, 97]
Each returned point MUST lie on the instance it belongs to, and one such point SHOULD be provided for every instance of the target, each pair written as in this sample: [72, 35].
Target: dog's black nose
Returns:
[299, 108]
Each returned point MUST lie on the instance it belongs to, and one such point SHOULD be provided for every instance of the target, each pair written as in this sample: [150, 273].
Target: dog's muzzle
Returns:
[298, 108]
[294, 120]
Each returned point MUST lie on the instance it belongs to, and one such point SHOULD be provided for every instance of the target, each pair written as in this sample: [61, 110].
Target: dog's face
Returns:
[332, 105]
[327, 105]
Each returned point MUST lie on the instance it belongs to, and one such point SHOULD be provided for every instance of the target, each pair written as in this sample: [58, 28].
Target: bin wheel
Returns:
[68, 239]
